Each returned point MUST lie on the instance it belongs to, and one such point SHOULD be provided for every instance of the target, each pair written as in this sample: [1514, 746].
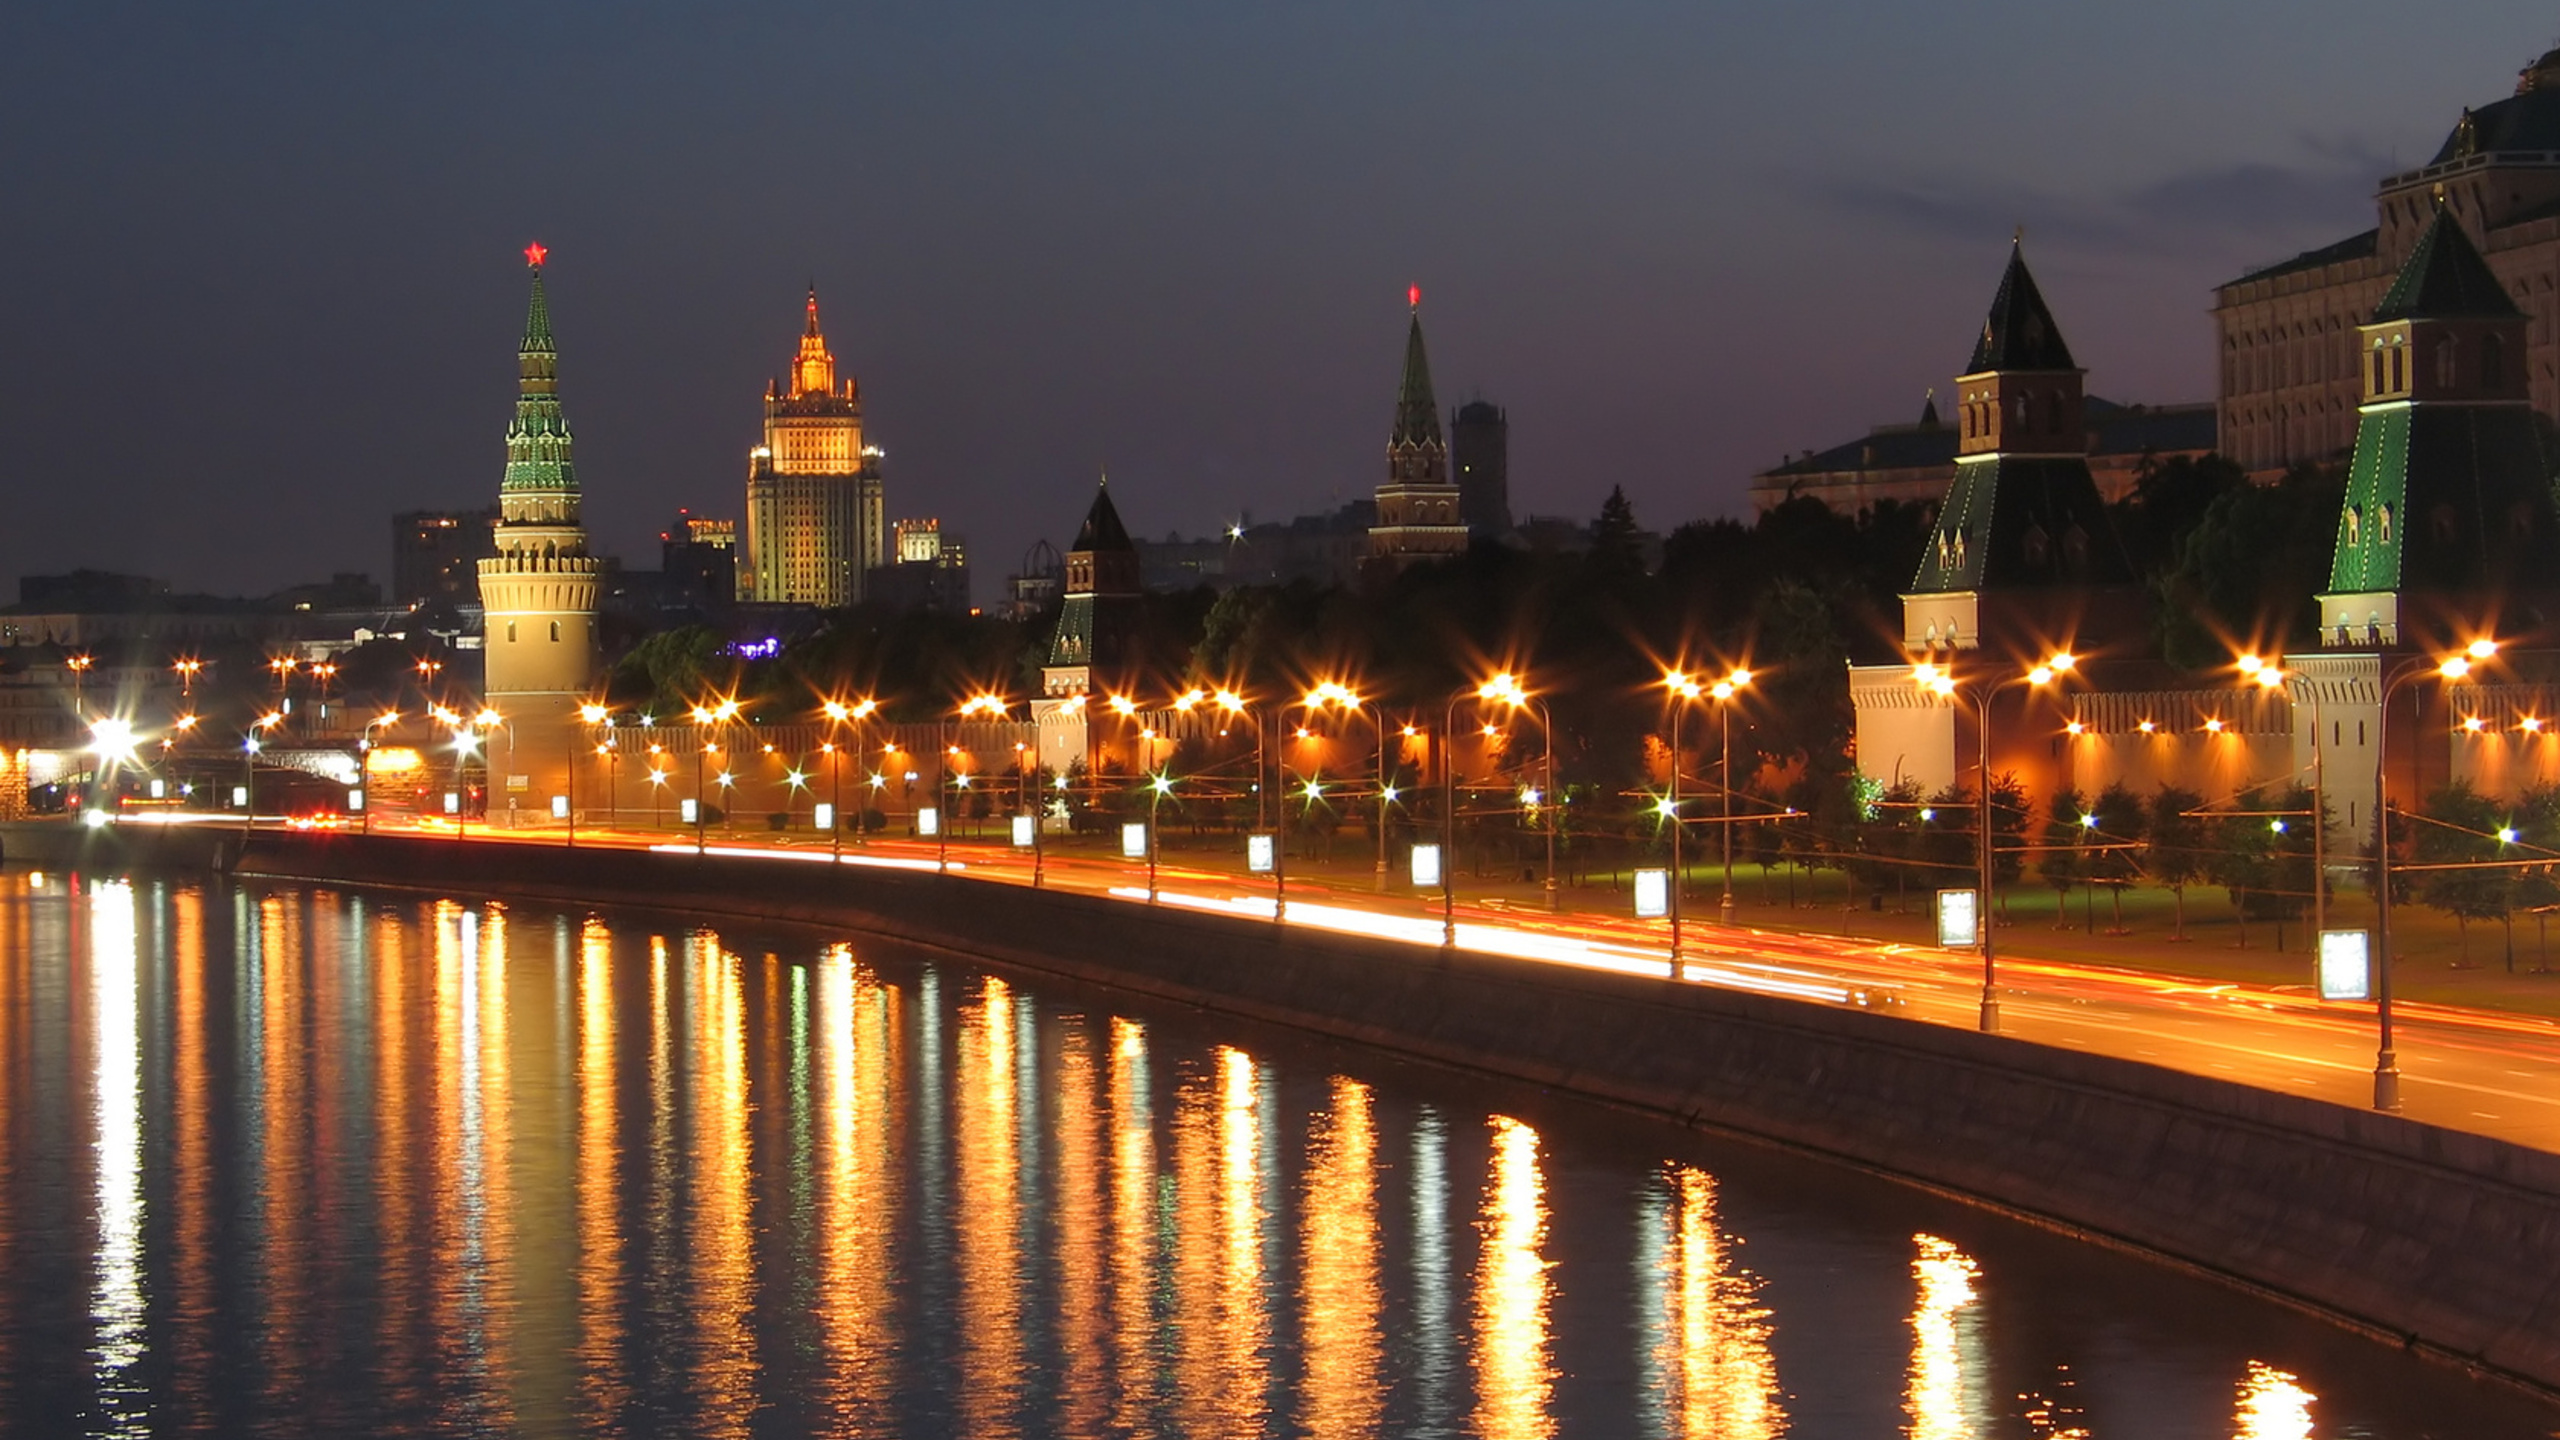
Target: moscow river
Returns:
[297, 1161]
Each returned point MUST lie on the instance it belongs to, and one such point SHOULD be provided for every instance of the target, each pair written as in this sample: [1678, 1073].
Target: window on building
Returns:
[2493, 363]
[2396, 374]
[511, 632]
[2443, 349]
[555, 632]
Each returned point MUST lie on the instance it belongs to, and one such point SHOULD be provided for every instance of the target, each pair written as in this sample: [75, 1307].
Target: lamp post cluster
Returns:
[1686, 690]
[1940, 680]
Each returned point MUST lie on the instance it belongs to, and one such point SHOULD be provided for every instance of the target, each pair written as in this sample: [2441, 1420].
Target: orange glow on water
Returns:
[1515, 1377]
[986, 1240]
[2273, 1405]
[1941, 1397]
[1717, 1375]
[1339, 1269]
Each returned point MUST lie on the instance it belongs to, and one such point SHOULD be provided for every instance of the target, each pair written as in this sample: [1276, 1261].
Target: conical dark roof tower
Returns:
[2023, 537]
[1099, 613]
[2448, 520]
[2019, 333]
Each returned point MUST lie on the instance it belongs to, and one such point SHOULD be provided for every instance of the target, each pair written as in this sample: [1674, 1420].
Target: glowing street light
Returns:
[1686, 688]
[2386, 1061]
[1940, 680]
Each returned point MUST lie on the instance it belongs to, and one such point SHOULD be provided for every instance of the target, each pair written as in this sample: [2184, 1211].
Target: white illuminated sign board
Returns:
[559, 807]
[453, 803]
[1258, 854]
[1958, 919]
[1133, 840]
[355, 801]
[1653, 894]
[240, 796]
[688, 810]
[928, 821]
[159, 789]
[1023, 827]
[1426, 865]
[824, 817]
[2346, 965]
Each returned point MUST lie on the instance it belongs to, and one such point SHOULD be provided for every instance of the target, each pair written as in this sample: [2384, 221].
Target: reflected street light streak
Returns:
[117, 1307]
[1515, 1379]
[1943, 1400]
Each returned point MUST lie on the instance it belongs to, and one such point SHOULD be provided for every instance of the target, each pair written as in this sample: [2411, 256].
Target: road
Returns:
[2485, 1071]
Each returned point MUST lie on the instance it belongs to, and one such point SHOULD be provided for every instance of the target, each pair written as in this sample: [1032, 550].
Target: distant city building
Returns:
[941, 583]
[1324, 549]
[2290, 334]
[1480, 449]
[698, 564]
[436, 554]
[919, 541]
[539, 592]
[1418, 507]
[814, 506]
[89, 590]
[1037, 585]
[1913, 463]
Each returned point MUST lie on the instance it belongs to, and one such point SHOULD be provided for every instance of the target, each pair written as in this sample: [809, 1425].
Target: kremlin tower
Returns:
[1419, 511]
[538, 593]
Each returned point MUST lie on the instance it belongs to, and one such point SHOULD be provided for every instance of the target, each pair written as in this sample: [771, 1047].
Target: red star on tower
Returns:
[533, 254]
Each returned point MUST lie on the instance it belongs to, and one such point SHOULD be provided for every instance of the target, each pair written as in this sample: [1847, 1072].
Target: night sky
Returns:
[262, 286]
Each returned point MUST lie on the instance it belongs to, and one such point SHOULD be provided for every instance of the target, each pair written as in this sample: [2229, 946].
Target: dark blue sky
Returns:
[261, 284]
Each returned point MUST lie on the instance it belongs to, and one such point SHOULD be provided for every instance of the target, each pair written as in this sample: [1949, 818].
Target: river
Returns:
[297, 1161]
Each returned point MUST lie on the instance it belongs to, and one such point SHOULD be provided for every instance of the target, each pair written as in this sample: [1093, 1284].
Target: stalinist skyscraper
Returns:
[538, 592]
[815, 520]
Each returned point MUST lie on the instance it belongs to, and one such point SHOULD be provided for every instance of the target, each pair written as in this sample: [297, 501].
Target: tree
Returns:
[1616, 554]
[2176, 844]
[2537, 823]
[2458, 827]
[2062, 855]
[2243, 863]
[2249, 567]
[2116, 863]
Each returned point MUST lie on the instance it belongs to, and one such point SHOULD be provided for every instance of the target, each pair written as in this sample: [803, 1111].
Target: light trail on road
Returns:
[2484, 1071]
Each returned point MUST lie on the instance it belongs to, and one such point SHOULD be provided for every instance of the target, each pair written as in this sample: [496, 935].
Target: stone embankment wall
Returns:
[2449, 1242]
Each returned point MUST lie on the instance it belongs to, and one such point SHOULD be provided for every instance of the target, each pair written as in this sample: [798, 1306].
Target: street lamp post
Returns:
[364, 767]
[2386, 1061]
[1506, 689]
[2269, 677]
[594, 715]
[705, 716]
[1941, 681]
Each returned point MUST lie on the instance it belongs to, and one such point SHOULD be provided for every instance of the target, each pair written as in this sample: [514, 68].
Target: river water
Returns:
[297, 1161]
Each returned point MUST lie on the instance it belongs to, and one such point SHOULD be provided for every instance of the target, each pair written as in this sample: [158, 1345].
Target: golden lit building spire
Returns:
[814, 373]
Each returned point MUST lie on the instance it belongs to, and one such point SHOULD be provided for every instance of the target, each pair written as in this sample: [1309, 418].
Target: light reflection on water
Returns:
[276, 1161]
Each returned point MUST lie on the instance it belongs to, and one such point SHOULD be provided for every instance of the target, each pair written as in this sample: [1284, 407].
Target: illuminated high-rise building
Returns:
[814, 513]
[538, 593]
[1419, 514]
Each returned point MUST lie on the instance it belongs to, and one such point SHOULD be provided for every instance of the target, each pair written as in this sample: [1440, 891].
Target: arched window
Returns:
[2493, 363]
[511, 632]
[2443, 349]
[555, 632]
[2395, 370]
[2377, 372]
[2355, 525]
[2385, 536]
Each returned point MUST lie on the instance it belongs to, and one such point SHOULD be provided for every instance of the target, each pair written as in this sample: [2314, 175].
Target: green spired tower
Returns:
[2447, 523]
[538, 593]
[2446, 533]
